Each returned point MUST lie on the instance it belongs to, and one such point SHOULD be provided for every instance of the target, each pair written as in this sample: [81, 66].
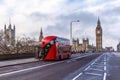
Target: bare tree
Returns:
[23, 45]
[4, 48]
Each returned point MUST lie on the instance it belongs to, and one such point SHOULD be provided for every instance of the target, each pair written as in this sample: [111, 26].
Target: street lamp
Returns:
[71, 31]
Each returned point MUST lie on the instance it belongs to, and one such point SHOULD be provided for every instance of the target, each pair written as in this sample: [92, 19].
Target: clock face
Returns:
[98, 32]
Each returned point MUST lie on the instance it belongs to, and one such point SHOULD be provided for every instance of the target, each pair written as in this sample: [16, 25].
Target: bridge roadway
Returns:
[89, 67]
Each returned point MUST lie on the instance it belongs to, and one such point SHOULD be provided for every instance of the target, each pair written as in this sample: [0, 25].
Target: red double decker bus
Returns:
[55, 48]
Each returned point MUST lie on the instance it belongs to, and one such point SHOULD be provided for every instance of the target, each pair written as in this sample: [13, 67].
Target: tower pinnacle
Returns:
[41, 35]
[98, 23]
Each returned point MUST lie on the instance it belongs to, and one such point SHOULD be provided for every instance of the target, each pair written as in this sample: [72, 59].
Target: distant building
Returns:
[109, 49]
[98, 37]
[9, 35]
[82, 47]
[91, 48]
[76, 46]
[118, 47]
[85, 44]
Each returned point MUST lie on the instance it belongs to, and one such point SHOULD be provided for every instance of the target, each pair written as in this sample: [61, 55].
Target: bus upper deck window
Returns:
[52, 42]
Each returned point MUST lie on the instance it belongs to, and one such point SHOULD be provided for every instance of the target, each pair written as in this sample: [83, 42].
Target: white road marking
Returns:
[87, 68]
[95, 69]
[77, 76]
[104, 78]
[99, 66]
[95, 74]
[92, 64]
[105, 67]
[28, 69]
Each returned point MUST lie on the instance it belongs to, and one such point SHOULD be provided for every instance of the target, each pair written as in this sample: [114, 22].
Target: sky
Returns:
[55, 16]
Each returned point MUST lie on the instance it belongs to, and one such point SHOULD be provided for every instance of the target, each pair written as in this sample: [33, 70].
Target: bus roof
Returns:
[47, 39]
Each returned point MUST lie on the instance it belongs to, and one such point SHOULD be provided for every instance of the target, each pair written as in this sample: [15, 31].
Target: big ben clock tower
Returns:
[98, 36]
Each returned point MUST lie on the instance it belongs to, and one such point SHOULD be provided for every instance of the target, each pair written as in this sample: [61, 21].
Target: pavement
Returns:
[16, 61]
[27, 60]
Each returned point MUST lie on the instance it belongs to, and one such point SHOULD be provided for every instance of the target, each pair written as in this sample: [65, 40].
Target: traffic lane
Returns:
[32, 64]
[95, 70]
[22, 66]
[52, 72]
[114, 66]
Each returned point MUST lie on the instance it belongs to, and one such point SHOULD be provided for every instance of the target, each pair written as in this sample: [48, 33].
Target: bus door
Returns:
[45, 50]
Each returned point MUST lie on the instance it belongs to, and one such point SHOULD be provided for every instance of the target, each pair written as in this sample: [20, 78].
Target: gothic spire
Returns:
[98, 21]
[14, 27]
[98, 24]
[41, 31]
[41, 35]
[5, 28]
[9, 23]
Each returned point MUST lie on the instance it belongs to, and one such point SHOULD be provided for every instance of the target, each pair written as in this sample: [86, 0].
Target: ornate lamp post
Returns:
[71, 31]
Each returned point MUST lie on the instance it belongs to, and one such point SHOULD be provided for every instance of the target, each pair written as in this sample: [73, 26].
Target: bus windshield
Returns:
[46, 49]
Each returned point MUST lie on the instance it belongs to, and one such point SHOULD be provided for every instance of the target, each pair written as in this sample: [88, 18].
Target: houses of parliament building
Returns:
[8, 36]
[85, 46]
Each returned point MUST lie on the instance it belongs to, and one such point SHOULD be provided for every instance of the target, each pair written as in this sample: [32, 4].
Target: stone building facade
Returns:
[85, 45]
[9, 35]
[82, 47]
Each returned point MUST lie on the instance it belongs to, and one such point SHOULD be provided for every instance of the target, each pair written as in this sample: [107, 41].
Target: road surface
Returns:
[103, 66]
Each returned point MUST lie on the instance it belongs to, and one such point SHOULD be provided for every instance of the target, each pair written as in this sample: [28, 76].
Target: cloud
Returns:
[38, 16]
[55, 17]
